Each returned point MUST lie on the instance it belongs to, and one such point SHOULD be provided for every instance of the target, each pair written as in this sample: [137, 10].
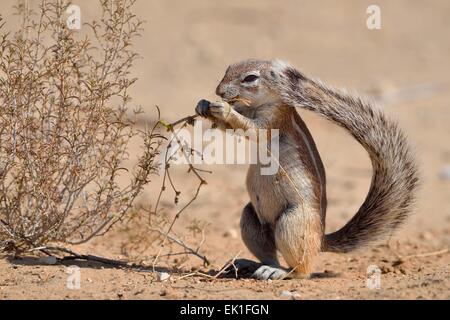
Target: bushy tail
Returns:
[395, 174]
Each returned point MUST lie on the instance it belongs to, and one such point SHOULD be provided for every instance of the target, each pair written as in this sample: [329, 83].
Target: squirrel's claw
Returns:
[267, 272]
[202, 108]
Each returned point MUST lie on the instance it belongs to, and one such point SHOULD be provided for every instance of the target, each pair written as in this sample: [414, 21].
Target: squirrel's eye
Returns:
[250, 78]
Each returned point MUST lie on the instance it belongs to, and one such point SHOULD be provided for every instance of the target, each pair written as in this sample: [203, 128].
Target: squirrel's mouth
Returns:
[237, 99]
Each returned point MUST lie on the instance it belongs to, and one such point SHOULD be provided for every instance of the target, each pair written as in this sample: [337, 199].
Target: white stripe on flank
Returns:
[314, 160]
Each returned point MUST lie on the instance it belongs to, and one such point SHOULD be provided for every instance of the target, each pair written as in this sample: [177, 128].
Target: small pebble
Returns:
[163, 276]
[291, 295]
[231, 233]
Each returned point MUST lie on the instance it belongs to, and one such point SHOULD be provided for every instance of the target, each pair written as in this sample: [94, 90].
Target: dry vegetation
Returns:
[65, 126]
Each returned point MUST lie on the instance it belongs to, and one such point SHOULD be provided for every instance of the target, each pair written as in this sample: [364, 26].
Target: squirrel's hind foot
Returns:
[243, 266]
[256, 270]
[265, 272]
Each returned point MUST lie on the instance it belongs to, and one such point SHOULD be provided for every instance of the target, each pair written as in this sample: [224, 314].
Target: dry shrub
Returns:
[150, 230]
[65, 124]
[142, 240]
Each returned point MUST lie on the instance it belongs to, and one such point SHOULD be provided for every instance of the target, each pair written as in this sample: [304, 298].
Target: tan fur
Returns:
[287, 210]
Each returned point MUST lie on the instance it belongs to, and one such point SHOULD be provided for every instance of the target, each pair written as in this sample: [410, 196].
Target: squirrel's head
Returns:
[256, 82]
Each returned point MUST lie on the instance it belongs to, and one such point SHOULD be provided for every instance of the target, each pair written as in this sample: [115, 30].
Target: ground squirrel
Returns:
[287, 213]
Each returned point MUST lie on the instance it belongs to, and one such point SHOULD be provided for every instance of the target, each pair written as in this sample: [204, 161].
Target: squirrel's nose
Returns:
[219, 91]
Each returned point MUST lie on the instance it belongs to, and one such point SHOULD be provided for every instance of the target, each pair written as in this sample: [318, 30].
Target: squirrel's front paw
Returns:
[219, 110]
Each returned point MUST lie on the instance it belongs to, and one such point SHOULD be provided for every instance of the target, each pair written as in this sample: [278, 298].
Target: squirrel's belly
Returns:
[272, 194]
[265, 195]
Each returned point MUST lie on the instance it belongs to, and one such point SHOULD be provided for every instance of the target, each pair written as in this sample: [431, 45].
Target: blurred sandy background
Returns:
[404, 67]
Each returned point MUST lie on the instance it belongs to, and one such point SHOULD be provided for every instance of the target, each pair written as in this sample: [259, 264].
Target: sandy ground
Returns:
[186, 47]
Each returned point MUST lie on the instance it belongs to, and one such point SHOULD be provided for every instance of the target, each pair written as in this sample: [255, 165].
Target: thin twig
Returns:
[202, 181]
[182, 244]
[227, 265]
[423, 255]
[87, 257]
[196, 273]
[187, 119]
